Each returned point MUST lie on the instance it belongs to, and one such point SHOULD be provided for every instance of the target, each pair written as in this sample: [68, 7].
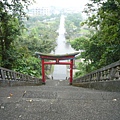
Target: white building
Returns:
[40, 11]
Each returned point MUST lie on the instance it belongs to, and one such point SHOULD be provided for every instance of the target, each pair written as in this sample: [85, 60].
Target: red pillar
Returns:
[71, 71]
[43, 72]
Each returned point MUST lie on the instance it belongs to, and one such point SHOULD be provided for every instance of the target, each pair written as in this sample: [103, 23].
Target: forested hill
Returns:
[21, 36]
[98, 36]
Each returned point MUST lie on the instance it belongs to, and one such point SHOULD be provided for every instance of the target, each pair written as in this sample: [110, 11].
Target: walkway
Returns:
[60, 71]
[58, 101]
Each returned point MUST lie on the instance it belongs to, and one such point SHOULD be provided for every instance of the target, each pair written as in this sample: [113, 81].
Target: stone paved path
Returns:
[57, 100]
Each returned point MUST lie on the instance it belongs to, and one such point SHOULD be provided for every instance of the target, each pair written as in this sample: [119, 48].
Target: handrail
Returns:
[9, 75]
[107, 73]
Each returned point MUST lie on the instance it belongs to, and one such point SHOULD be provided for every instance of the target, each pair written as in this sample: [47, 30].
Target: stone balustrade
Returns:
[11, 77]
[108, 73]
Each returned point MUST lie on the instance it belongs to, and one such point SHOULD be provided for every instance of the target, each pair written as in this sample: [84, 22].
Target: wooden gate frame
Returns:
[57, 60]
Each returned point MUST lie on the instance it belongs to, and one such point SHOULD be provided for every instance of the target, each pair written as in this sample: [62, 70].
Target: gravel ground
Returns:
[57, 100]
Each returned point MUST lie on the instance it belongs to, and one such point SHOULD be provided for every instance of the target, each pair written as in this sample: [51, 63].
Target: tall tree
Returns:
[104, 17]
[11, 21]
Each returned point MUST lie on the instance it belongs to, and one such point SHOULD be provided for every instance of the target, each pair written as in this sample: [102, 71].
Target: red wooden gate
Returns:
[57, 59]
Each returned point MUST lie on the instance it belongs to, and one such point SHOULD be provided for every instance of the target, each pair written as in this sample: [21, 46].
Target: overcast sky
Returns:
[63, 3]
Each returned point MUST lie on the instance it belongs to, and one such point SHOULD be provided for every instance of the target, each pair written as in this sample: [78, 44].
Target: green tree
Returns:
[26, 63]
[104, 45]
[72, 25]
[21, 38]
[38, 36]
[11, 21]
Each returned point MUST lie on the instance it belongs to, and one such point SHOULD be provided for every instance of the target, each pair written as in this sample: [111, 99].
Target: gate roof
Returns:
[54, 57]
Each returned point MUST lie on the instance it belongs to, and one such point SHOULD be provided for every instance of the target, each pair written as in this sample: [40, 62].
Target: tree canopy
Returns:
[21, 37]
[72, 25]
[102, 45]
[11, 21]
[106, 21]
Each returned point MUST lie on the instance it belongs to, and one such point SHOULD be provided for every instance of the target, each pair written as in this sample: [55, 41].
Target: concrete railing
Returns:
[110, 72]
[9, 77]
[106, 78]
